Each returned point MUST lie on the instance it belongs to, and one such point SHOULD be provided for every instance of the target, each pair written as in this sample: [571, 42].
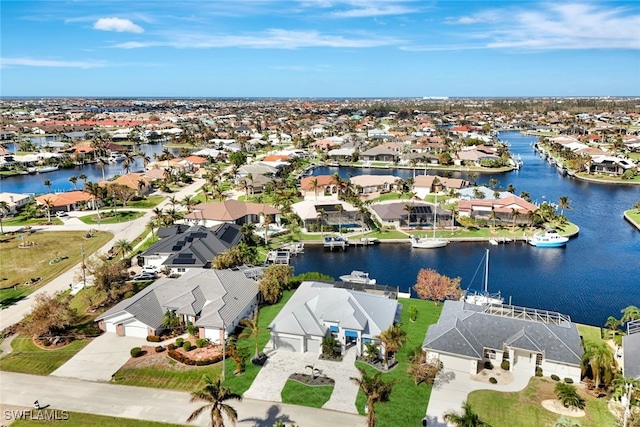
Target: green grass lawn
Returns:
[300, 394]
[382, 235]
[109, 217]
[17, 265]
[147, 203]
[407, 402]
[176, 376]
[20, 220]
[589, 333]
[634, 215]
[523, 408]
[27, 358]
[78, 419]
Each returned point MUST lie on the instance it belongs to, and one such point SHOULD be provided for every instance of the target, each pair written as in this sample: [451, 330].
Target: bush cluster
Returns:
[186, 346]
[136, 352]
[568, 380]
[202, 342]
[171, 346]
[183, 358]
[555, 377]
[505, 365]
[179, 341]
[538, 371]
[153, 338]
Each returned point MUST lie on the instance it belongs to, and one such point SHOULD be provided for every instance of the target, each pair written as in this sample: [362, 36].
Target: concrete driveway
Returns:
[100, 359]
[281, 364]
[452, 387]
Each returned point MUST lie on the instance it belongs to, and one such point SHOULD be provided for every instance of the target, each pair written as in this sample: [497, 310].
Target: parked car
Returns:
[151, 269]
[61, 214]
[144, 276]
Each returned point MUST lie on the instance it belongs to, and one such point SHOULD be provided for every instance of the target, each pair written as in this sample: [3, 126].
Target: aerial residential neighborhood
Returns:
[188, 264]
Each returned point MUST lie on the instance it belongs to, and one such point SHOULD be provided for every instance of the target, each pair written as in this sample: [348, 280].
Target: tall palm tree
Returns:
[74, 181]
[375, 390]
[515, 213]
[97, 193]
[48, 204]
[4, 209]
[253, 330]
[340, 210]
[392, 339]
[630, 313]
[322, 214]
[102, 162]
[188, 202]
[129, 159]
[215, 395]
[83, 177]
[564, 203]
[466, 418]
[314, 187]
[409, 208]
[265, 223]
[47, 183]
[123, 246]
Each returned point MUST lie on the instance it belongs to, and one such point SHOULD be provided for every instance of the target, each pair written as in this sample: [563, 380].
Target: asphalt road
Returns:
[153, 404]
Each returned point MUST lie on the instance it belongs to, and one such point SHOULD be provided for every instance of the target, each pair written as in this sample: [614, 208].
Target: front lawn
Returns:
[408, 402]
[147, 203]
[634, 215]
[28, 358]
[300, 394]
[19, 265]
[20, 220]
[523, 408]
[110, 217]
[390, 234]
[78, 419]
[172, 375]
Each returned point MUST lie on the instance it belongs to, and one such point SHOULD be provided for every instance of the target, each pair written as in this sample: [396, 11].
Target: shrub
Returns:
[192, 329]
[488, 365]
[492, 380]
[179, 341]
[136, 352]
[171, 346]
[186, 346]
[538, 371]
[183, 358]
[568, 380]
[153, 338]
[202, 342]
[505, 365]
[46, 342]
[555, 377]
[159, 349]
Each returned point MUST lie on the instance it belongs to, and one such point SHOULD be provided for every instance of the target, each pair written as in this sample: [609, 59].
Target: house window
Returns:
[505, 355]
[538, 359]
[489, 354]
[181, 270]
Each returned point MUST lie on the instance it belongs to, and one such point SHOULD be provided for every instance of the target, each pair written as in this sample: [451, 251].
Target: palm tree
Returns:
[409, 208]
[340, 209]
[47, 183]
[564, 203]
[127, 162]
[466, 418]
[613, 324]
[170, 320]
[123, 246]
[83, 177]
[314, 186]
[103, 162]
[630, 313]
[152, 224]
[598, 360]
[74, 181]
[48, 204]
[392, 339]
[188, 202]
[97, 193]
[215, 395]
[493, 183]
[253, 330]
[321, 215]
[375, 390]
[515, 213]
[568, 395]
[4, 209]
[266, 221]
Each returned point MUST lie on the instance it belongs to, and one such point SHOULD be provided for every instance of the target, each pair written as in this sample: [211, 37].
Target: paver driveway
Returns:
[281, 364]
[100, 359]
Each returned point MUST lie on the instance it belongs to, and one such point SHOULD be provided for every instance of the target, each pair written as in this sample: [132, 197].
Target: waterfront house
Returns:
[213, 300]
[609, 165]
[327, 214]
[396, 214]
[182, 248]
[427, 184]
[14, 201]
[317, 310]
[367, 184]
[233, 212]
[468, 336]
[502, 209]
[389, 152]
[322, 185]
[67, 201]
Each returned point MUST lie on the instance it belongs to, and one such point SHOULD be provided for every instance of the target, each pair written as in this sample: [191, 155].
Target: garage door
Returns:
[451, 363]
[111, 327]
[135, 331]
[288, 343]
[313, 346]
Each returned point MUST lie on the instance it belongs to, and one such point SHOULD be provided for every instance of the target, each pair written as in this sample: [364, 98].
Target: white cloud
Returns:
[270, 39]
[372, 11]
[30, 62]
[118, 25]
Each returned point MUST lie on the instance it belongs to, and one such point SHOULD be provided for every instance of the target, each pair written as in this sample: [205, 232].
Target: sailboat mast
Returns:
[486, 273]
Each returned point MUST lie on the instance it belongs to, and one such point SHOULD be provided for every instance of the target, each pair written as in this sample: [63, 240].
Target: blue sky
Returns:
[319, 48]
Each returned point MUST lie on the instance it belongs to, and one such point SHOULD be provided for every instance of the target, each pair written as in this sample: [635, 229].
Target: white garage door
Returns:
[111, 327]
[288, 343]
[451, 363]
[134, 330]
[313, 346]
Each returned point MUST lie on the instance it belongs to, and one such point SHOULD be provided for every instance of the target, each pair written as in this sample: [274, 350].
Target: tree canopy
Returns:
[433, 286]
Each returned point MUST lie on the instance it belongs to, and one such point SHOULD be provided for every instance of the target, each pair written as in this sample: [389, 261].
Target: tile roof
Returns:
[229, 210]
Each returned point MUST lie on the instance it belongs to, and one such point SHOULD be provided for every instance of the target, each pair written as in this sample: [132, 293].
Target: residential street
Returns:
[127, 230]
[153, 404]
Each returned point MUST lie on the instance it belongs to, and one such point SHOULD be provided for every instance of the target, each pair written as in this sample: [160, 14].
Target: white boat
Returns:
[548, 239]
[429, 242]
[357, 276]
[116, 158]
[484, 297]
[45, 169]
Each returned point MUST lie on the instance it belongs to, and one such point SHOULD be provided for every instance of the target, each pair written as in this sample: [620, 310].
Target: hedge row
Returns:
[183, 358]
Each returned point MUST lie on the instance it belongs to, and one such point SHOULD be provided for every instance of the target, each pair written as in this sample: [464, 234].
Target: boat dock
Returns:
[335, 242]
[283, 254]
[364, 241]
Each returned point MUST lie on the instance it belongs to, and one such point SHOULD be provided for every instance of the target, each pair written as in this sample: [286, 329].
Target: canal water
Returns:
[593, 277]
[34, 184]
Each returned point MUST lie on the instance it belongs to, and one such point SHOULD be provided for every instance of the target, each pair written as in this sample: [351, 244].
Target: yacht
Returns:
[484, 297]
[548, 239]
[357, 276]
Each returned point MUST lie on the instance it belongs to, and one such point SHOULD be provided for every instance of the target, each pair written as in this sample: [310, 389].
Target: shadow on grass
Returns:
[273, 415]
[6, 302]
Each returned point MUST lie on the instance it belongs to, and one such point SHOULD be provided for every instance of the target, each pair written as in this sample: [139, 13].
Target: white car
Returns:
[61, 214]
[154, 269]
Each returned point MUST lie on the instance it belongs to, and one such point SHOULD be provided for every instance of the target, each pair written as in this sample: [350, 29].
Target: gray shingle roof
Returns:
[464, 329]
[213, 295]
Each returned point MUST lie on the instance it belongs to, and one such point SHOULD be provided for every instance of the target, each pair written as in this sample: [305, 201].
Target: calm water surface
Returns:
[593, 277]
